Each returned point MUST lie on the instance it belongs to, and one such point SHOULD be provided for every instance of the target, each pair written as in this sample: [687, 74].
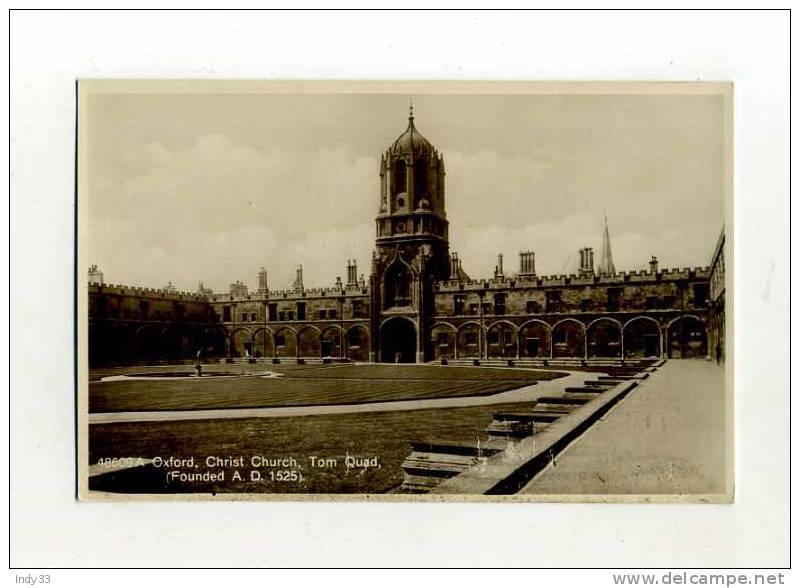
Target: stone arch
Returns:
[123, 343]
[172, 343]
[469, 340]
[443, 340]
[108, 344]
[568, 338]
[241, 343]
[357, 343]
[215, 343]
[641, 337]
[501, 339]
[147, 344]
[534, 339]
[285, 342]
[263, 342]
[308, 342]
[99, 335]
[331, 342]
[604, 338]
[687, 336]
[398, 339]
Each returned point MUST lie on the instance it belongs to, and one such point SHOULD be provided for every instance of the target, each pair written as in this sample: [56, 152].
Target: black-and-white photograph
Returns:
[405, 291]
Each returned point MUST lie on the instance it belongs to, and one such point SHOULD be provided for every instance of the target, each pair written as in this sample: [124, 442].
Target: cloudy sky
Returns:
[186, 186]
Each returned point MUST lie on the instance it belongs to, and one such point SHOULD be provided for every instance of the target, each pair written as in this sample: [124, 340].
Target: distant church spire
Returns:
[606, 260]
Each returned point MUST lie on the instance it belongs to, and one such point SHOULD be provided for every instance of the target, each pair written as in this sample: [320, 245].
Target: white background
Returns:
[50, 50]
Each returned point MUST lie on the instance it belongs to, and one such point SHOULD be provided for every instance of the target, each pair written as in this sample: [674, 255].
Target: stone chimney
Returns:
[454, 266]
[586, 267]
[498, 269]
[352, 273]
[263, 286]
[527, 264]
[653, 264]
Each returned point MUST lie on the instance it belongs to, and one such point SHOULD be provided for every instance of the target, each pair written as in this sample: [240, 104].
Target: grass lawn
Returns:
[303, 386]
[385, 435]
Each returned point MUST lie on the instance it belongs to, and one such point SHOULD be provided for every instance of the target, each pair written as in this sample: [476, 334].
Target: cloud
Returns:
[201, 189]
[217, 211]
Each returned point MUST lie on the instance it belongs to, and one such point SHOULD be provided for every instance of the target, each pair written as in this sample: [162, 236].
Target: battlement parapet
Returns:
[144, 292]
[561, 280]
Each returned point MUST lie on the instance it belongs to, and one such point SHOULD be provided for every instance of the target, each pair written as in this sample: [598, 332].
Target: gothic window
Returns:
[244, 317]
[499, 304]
[280, 340]
[553, 301]
[613, 300]
[700, 295]
[586, 305]
[290, 315]
[532, 307]
[458, 304]
[323, 314]
[273, 312]
[332, 314]
[398, 286]
[253, 316]
[301, 311]
[420, 181]
[358, 311]
[400, 177]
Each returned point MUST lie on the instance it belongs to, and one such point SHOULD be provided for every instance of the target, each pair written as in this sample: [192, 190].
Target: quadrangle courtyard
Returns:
[385, 434]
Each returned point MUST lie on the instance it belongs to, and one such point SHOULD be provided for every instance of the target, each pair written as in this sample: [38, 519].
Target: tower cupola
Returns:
[411, 175]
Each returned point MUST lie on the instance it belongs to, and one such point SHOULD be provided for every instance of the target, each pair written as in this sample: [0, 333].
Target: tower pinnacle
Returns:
[606, 267]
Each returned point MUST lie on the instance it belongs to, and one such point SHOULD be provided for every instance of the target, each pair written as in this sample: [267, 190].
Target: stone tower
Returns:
[411, 246]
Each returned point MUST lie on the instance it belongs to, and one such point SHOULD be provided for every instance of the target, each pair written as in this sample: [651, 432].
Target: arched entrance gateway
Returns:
[398, 341]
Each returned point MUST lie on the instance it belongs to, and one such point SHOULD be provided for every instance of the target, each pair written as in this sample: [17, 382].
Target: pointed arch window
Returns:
[399, 176]
[398, 286]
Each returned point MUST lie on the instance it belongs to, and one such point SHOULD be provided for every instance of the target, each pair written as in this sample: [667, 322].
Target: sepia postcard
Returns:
[404, 291]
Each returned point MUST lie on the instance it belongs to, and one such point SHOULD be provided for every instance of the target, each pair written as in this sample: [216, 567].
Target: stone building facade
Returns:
[418, 303]
[716, 310]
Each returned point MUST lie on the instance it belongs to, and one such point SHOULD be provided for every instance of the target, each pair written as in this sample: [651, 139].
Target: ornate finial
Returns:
[411, 110]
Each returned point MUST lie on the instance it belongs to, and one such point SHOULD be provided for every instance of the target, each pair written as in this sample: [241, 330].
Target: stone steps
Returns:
[586, 389]
[609, 383]
[432, 462]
